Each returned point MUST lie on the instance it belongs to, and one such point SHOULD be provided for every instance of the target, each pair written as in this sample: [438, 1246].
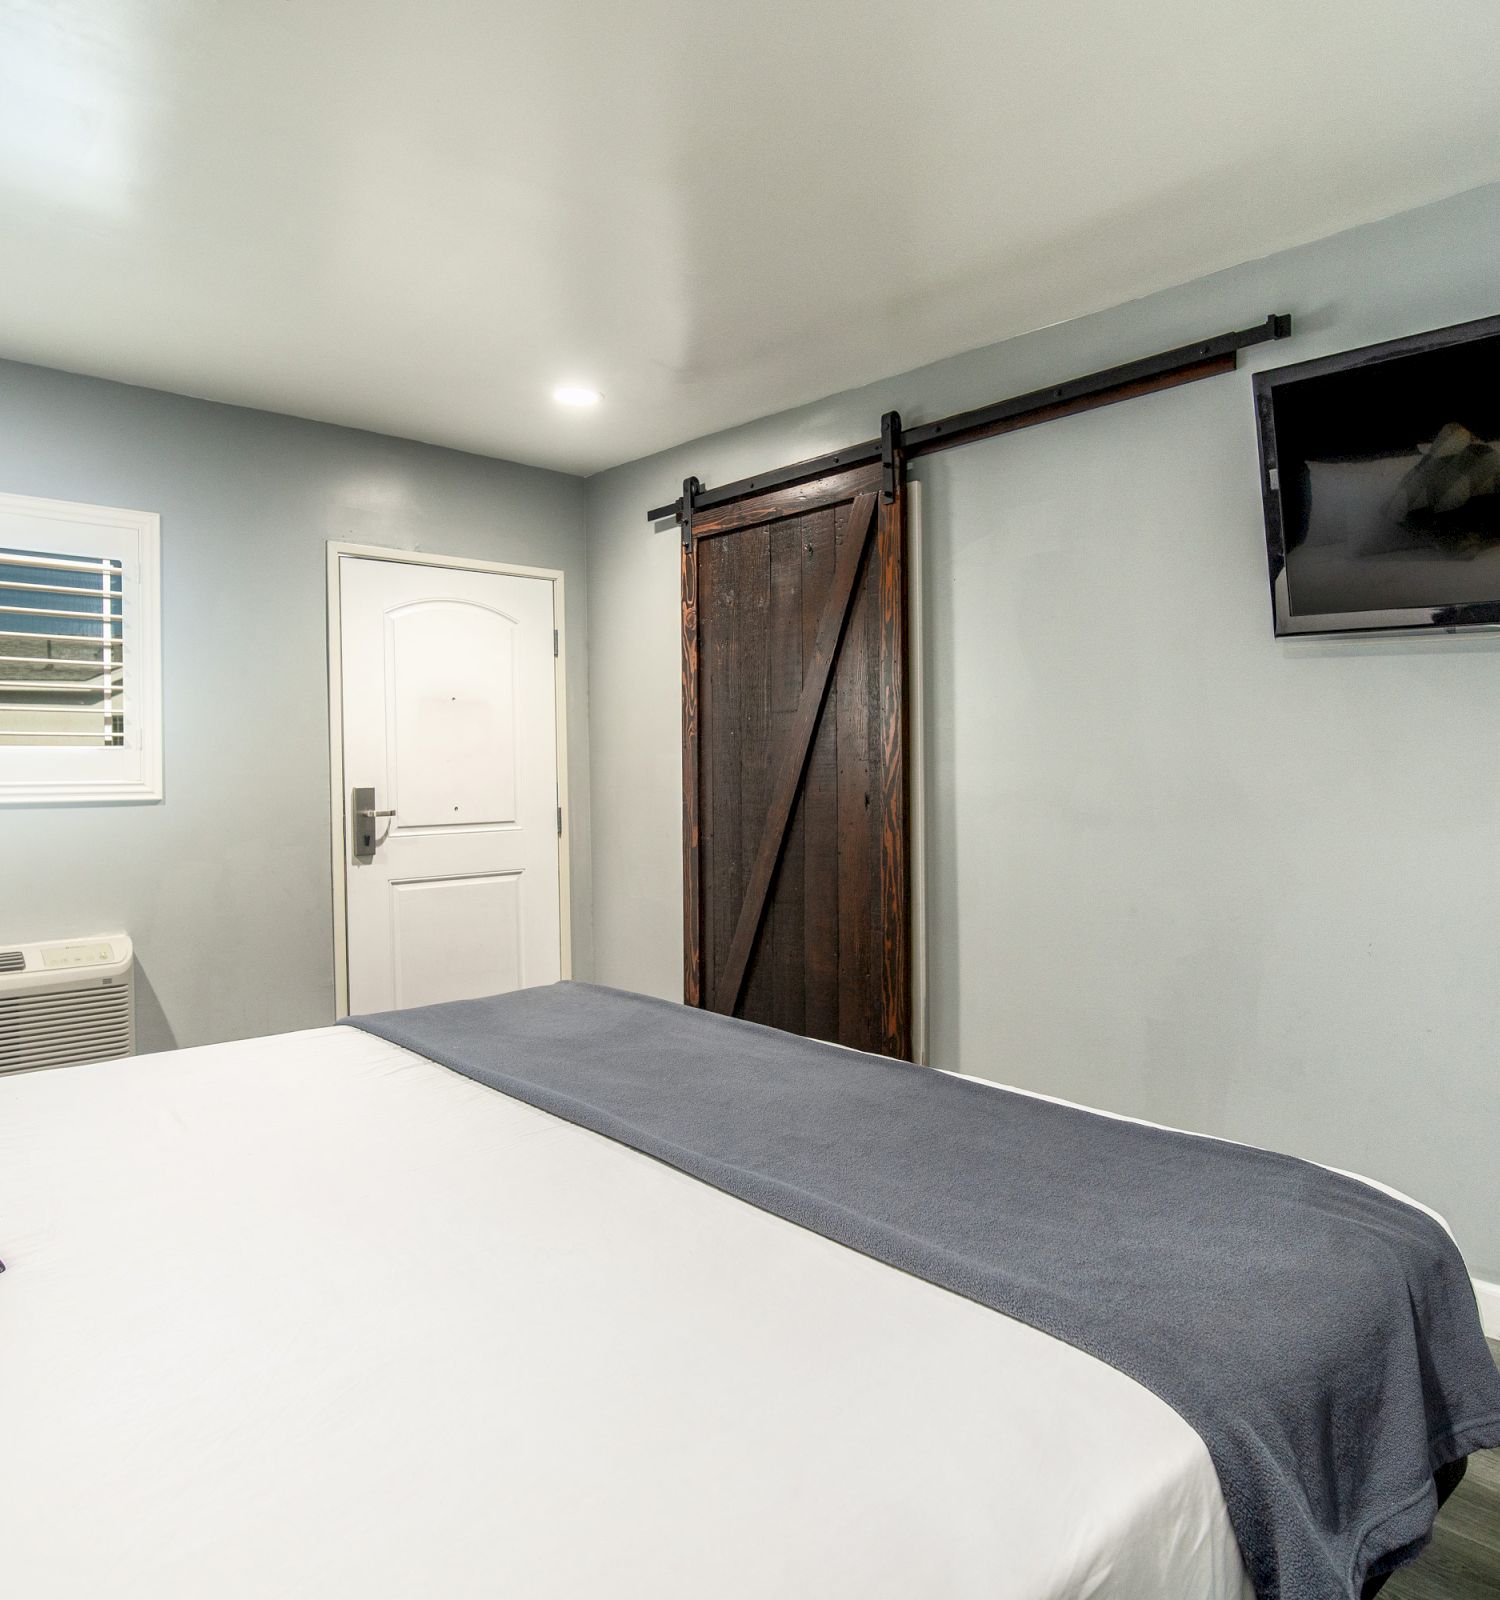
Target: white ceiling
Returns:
[419, 215]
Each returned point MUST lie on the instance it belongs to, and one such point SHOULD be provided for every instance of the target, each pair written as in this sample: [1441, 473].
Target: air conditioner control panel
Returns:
[65, 960]
[77, 955]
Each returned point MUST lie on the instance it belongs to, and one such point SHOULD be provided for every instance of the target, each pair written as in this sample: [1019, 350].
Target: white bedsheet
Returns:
[311, 1316]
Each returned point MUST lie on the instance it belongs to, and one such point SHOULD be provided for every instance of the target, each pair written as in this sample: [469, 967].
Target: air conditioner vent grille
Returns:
[56, 1027]
[12, 961]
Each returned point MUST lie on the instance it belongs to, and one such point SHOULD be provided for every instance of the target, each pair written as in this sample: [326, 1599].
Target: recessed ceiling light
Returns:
[573, 394]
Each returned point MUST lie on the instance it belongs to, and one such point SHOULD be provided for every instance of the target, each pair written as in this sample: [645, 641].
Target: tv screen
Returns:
[1380, 471]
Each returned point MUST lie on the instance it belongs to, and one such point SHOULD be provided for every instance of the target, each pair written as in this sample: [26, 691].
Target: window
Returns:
[80, 653]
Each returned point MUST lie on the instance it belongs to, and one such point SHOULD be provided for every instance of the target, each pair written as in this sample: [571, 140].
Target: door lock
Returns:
[365, 819]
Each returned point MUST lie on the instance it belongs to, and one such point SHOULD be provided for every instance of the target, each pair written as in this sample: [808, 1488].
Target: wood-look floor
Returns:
[1463, 1560]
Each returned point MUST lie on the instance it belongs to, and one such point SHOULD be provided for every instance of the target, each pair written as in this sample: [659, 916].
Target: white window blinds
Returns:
[79, 652]
[62, 672]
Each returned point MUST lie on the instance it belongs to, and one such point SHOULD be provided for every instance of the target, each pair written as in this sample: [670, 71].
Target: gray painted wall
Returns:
[1176, 868]
[226, 885]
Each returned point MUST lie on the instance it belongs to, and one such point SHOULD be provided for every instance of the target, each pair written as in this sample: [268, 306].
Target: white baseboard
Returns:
[1488, 1296]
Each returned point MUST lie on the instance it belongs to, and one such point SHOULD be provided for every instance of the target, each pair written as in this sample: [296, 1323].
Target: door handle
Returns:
[365, 818]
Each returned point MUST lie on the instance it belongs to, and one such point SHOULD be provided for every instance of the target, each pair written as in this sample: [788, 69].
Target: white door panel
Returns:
[449, 713]
[451, 704]
[457, 937]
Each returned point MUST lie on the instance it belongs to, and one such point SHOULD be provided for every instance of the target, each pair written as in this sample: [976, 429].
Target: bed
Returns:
[313, 1315]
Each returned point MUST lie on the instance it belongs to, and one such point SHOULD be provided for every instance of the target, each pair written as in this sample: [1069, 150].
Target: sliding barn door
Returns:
[794, 761]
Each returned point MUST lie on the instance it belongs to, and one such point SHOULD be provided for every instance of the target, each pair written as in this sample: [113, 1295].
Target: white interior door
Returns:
[450, 717]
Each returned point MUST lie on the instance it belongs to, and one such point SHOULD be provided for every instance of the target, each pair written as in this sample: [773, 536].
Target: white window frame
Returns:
[128, 772]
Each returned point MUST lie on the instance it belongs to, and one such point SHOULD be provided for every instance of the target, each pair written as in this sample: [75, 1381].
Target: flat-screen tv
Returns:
[1380, 472]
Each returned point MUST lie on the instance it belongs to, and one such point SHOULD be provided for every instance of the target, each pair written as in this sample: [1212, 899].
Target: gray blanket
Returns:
[1321, 1337]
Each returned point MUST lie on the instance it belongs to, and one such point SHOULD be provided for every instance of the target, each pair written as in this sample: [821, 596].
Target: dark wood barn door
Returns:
[795, 763]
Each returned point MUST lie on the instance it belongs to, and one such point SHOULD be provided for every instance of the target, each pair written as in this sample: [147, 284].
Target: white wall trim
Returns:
[1488, 1296]
[336, 788]
[917, 771]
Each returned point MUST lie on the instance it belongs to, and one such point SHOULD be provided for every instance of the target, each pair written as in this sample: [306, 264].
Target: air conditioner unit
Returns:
[66, 1001]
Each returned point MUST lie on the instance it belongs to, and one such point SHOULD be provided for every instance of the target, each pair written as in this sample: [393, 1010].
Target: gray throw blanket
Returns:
[1321, 1337]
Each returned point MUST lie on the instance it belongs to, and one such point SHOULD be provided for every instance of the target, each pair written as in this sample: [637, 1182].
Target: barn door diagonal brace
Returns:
[795, 751]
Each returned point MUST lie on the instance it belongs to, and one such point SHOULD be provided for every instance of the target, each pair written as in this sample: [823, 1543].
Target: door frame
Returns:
[337, 791]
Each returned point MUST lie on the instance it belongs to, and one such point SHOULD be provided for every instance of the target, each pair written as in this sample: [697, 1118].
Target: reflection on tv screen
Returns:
[1389, 482]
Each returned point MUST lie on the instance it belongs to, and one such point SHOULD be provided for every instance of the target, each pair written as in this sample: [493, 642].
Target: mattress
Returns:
[312, 1316]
